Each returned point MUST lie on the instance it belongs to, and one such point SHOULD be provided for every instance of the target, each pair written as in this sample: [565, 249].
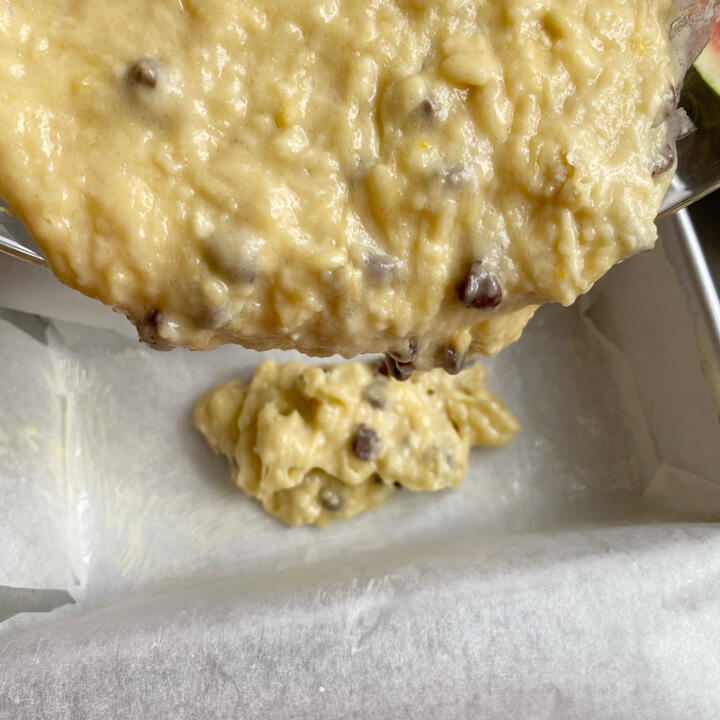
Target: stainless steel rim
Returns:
[11, 247]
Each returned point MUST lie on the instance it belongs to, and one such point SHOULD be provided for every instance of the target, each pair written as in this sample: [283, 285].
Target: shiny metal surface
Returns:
[698, 168]
[684, 251]
[11, 247]
[15, 241]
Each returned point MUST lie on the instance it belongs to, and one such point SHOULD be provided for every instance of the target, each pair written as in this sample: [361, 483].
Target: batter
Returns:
[318, 444]
[402, 176]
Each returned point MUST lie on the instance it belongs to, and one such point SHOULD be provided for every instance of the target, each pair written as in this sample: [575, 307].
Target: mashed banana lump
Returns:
[404, 176]
[316, 444]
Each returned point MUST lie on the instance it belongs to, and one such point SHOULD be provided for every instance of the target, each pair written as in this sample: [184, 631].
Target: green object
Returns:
[698, 165]
[708, 64]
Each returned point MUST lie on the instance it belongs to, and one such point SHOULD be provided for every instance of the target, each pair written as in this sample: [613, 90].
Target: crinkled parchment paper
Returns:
[573, 574]
[33, 513]
[109, 478]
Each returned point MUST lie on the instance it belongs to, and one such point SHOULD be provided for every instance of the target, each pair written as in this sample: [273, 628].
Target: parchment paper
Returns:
[573, 574]
[156, 504]
[32, 492]
[146, 501]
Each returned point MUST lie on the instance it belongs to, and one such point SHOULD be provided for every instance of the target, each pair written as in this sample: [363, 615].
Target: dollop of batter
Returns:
[316, 444]
[347, 176]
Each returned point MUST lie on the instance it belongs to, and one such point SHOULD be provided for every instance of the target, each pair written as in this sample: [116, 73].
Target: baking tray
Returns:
[568, 595]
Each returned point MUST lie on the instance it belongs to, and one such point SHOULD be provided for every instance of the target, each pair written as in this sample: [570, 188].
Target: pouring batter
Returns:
[336, 176]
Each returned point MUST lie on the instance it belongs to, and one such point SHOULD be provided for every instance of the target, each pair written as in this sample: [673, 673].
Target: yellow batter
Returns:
[317, 444]
[409, 176]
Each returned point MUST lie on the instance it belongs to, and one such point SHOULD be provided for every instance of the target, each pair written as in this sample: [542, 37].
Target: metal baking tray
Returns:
[437, 622]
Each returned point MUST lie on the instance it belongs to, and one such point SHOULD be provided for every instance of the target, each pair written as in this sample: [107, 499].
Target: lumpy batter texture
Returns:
[318, 444]
[403, 176]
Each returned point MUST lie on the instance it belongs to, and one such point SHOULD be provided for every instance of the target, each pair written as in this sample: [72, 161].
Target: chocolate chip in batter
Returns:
[375, 394]
[143, 72]
[242, 274]
[399, 370]
[230, 260]
[427, 109]
[207, 316]
[331, 500]
[399, 363]
[664, 161]
[479, 289]
[406, 354]
[366, 443]
[451, 360]
[439, 458]
[381, 269]
[149, 332]
[380, 366]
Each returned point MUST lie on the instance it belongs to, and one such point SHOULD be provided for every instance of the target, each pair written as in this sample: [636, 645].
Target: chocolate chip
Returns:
[451, 361]
[479, 289]
[230, 259]
[397, 484]
[407, 354]
[399, 363]
[331, 500]
[438, 457]
[149, 332]
[241, 274]
[381, 268]
[210, 317]
[426, 109]
[395, 369]
[375, 394]
[665, 161]
[143, 72]
[366, 443]
[380, 366]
